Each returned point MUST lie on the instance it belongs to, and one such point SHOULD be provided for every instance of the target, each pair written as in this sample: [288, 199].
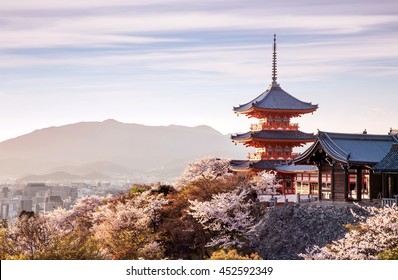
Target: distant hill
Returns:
[113, 149]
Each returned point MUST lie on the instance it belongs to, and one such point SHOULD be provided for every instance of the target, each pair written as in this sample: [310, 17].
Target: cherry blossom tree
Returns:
[206, 169]
[126, 228]
[365, 240]
[227, 216]
[44, 237]
[120, 227]
[80, 217]
[265, 182]
[28, 236]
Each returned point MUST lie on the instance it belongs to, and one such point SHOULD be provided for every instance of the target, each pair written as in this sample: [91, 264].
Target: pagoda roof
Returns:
[247, 165]
[276, 99]
[351, 148]
[299, 168]
[274, 135]
[276, 165]
[389, 162]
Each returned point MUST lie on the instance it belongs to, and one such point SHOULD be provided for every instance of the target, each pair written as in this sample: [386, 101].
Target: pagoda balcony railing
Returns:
[272, 156]
[274, 126]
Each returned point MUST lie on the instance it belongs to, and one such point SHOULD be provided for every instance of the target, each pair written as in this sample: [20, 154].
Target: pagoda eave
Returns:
[260, 144]
[245, 169]
[281, 140]
[261, 112]
[264, 141]
[255, 166]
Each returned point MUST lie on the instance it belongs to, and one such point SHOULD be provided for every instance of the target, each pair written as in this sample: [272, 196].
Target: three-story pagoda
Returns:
[274, 136]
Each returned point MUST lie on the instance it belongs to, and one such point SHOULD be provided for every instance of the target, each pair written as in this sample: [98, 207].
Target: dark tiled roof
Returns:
[275, 135]
[261, 164]
[296, 168]
[275, 98]
[390, 162]
[266, 164]
[240, 164]
[352, 148]
[278, 165]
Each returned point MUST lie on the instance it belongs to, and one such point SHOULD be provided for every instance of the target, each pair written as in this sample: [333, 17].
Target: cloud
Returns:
[151, 26]
[56, 39]
[240, 60]
[287, 6]
[189, 38]
[123, 50]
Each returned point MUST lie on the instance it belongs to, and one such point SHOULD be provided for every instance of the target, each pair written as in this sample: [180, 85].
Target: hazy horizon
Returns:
[112, 149]
[114, 120]
[149, 125]
[172, 62]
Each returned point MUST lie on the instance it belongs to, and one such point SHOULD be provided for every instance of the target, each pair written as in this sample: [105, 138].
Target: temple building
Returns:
[274, 136]
[353, 167]
[388, 169]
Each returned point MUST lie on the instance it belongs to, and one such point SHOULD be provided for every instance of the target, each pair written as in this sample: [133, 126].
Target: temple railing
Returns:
[389, 201]
[274, 126]
[283, 200]
[271, 155]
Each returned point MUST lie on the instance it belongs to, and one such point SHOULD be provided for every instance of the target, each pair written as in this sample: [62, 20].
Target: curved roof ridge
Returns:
[390, 161]
[332, 147]
[275, 98]
[275, 134]
[305, 153]
[252, 101]
[291, 96]
[244, 134]
[361, 136]
[353, 148]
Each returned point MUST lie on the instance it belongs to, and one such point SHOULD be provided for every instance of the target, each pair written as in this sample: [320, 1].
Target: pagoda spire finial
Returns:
[274, 63]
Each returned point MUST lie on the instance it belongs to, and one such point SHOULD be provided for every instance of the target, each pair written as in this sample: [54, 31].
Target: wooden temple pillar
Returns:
[384, 187]
[319, 182]
[346, 179]
[359, 183]
[332, 186]
[390, 187]
[376, 185]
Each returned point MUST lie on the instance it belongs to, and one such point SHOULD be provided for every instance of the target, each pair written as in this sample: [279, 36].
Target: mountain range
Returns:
[111, 149]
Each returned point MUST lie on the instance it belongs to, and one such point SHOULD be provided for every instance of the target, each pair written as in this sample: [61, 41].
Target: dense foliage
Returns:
[209, 214]
[148, 222]
[45, 237]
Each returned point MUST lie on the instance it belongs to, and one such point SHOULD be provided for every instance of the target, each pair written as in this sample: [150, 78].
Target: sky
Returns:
[162, 62]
